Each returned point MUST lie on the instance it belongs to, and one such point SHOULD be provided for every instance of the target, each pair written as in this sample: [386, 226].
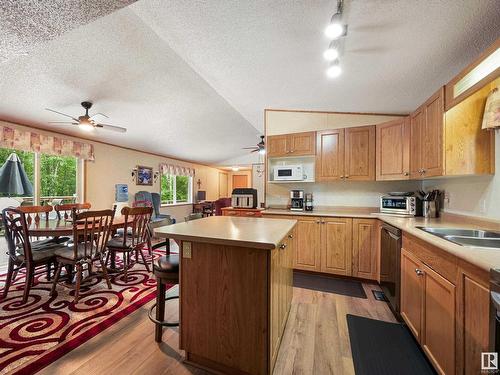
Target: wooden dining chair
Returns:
[64, 211]
[136, 225]
[22, 252]
[36, 214]
[93, 229]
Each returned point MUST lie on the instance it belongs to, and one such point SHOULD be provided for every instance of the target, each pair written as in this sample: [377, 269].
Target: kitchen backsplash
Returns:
[349, 193]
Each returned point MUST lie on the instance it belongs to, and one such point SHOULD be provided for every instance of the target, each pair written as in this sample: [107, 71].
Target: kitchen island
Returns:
[235, 290]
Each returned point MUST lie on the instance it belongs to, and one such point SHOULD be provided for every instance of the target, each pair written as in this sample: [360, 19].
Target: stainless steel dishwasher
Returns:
[390, 265]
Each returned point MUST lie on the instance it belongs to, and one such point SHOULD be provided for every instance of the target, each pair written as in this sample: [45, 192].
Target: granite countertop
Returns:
[484, 258]
[257, 233]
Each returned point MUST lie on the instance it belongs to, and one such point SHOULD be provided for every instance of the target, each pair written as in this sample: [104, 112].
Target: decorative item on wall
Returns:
[144, 175]
[121, 193]
[491, 117]
[199, 184]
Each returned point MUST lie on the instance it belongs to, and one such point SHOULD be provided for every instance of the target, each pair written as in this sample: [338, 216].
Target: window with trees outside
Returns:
[175, 189]
[56, 176]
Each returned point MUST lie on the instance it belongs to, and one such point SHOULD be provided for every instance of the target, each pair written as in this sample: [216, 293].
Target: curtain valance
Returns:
[176, 170]
[25, 140]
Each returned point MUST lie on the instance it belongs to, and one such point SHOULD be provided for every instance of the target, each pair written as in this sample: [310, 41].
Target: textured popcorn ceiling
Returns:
[191, 78]
[27, 23]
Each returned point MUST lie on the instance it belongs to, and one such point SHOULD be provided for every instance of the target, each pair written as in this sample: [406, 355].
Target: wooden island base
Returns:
[235, 295]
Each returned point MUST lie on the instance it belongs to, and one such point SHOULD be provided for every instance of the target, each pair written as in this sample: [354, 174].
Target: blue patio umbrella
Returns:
[13, 179]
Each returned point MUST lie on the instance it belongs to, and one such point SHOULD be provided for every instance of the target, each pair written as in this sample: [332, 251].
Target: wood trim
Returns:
[449, 101]
[334, 112]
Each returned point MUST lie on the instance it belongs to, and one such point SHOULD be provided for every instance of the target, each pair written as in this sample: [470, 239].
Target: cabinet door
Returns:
[393, 150]
[275, 303]
[330, 155]
[411, 293]
[360, 153]
[302, 144]
[277, 145]
[364, 248]
[474, 323]
[432, 135]
[307, 244]
[336, 246]
[438, 338]
[416, 124]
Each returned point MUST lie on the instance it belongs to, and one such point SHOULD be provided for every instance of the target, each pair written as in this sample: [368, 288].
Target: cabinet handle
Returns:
[423, 170]
[342, 177]
[283, 246]
[419, 272]
[292, 151]
[323, 222]
[317, 221]
[406, 173]
[290, 236]
[346, 176]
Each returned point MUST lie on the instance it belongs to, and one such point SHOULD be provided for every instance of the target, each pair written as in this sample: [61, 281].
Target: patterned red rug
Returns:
[37, 333]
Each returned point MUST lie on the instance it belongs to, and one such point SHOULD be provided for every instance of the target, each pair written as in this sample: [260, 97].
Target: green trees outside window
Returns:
[175, 189]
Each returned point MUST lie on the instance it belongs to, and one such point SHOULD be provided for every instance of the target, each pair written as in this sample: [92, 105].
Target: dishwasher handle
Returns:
[393, 231]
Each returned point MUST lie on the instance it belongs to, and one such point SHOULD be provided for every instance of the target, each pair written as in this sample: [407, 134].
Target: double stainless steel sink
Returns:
[467, 237]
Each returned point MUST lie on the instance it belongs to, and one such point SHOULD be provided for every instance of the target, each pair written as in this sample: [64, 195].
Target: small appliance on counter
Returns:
[309, 202]
[296, 200]
[289, 173]
[401, 203]
[244, 198]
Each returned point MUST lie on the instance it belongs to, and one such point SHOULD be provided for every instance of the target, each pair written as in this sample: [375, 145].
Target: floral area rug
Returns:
[35, 334]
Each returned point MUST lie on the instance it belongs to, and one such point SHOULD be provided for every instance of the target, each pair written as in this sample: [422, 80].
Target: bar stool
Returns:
[166, 270]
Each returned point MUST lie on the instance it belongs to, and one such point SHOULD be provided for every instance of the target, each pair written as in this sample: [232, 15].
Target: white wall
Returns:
[476, 196]
[339, 193]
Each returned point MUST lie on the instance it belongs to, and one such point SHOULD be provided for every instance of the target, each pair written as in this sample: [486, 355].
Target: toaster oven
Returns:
[401, 205]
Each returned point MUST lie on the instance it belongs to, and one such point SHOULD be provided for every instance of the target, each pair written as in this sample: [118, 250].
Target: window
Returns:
[175, 189]
[58, 177]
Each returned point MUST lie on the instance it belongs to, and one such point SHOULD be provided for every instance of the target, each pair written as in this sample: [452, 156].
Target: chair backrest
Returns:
[156, 203]
[92, 229]
[220, 203]
[193, 216]
[16, 233]
[65, 211]
[142, 204]
[138, 219]
[35, 214]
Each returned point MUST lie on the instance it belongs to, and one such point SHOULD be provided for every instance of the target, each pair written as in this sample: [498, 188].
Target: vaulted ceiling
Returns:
[191, 78]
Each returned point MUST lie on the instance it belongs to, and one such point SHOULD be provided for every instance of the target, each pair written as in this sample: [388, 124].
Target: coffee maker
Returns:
[297, 200]
[309, 202]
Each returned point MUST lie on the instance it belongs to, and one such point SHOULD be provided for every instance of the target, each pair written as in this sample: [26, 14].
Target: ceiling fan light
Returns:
[262, 151]
[334, 70]
[331, 54]
[86, 127]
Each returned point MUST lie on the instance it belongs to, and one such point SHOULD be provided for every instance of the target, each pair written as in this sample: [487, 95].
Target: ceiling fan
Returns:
[86, 122]
[260, 147]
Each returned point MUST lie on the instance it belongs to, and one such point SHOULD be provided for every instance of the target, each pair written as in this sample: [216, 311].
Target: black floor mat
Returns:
[382, 348]
[349, 288]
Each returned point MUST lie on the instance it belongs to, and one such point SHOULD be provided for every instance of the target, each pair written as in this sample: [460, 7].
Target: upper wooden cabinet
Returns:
[296, 144]
[346, 154]
[426, 155]
[330, 155]
[360, 153]
[393, 150]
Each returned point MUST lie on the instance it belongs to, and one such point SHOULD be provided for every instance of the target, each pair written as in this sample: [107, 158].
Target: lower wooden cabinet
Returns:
[336, 245]
[244, 212]
[445, 303]
[307, 244]
[365, 240]
[281, 291]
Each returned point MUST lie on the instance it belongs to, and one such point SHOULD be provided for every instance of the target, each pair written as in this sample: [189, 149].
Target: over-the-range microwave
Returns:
[288, 173]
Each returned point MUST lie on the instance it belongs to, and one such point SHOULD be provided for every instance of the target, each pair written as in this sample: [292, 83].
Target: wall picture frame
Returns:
[144, 176]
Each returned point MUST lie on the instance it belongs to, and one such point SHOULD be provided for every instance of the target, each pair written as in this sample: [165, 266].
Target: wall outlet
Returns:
[447, 199]
[482, 206]
[186, 250]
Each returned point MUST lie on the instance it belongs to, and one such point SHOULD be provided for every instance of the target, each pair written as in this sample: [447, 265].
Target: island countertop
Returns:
[258, 233]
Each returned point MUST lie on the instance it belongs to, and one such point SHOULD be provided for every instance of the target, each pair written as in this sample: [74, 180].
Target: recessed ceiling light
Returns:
[235, 169]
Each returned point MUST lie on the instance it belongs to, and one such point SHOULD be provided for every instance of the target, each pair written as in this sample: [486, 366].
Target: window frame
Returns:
[80, 177]
[174, 190]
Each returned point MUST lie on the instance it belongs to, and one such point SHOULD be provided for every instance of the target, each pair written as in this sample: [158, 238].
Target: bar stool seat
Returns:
[166, 270]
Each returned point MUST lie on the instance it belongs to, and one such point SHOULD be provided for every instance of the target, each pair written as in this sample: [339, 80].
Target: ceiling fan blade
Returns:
[254, 150]
[63, 122]
[97, 114]
[112, 127]
[249, 148]
[64, 114]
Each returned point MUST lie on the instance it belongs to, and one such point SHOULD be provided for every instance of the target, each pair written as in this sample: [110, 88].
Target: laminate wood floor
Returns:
[316, 340]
